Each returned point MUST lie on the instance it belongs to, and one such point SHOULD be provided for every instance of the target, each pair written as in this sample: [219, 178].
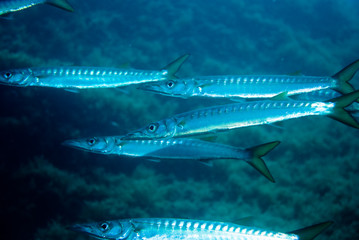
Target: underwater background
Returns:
[46, 187]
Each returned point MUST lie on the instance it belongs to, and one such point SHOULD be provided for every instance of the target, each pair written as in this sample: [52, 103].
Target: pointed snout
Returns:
[149, 88]
[73, 144]
[82, 228]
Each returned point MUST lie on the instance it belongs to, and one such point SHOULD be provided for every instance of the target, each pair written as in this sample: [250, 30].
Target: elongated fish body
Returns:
[82, 77]
[177, 148]
[186, 229]
[7, 6]
[228, 86]
[253, 86]
[86, 77]
[231, 116]
[159, 149]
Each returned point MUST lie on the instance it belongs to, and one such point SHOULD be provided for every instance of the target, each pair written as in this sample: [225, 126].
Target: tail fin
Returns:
[174, 66]
[344, 76]
[257, 162]
[63, 4]
[311, 232]
[340, 114]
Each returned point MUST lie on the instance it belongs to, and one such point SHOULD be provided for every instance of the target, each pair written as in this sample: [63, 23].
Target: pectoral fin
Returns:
[153, 160]
[72, 90]
[208, 163]
[181, 124]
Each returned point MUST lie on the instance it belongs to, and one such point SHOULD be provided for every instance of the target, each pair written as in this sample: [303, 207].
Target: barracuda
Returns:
[185, 229]
[192, 149]
[86, 77]
[8, 6]
[253, 86]
[231, 116]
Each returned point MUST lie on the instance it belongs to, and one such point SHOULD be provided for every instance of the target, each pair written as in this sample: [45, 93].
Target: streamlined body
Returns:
[164, 149]
[8, 6]
[187, 229]
[253, 86]
[86, 77]
[231, 116]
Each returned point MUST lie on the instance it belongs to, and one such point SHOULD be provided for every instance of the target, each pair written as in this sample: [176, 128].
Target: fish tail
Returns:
[344, 76]
[342, 115]
[63, 4]
[174, 66]
[257, 162]
[309, 233]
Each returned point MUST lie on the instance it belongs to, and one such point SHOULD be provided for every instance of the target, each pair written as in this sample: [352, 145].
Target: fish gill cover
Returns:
[45, 187]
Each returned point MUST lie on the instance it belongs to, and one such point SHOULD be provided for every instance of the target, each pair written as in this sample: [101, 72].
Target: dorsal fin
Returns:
[209, 138]
[281, 97]
[174, 66]
[63, 4]
[296, 73]
[311, 232]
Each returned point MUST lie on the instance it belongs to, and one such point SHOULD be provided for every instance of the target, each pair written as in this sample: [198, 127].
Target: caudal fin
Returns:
[340, 114]
[311, 232]
[63, 4]
[257, 162]
[174, 66]
[344, 76]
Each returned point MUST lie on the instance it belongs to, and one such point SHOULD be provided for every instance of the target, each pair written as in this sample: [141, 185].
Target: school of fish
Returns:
[259, 100]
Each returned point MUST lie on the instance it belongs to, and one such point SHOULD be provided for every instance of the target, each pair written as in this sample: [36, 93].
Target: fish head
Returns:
[170, 87]
[101, 145]
[16, 77]
[161, 129]
[113, 230]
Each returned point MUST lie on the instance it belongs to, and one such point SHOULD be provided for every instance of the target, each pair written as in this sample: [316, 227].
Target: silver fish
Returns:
[86, 77]
[188, 229]
[253, 86]
[192, 149]
[8, 6]
[231, 116]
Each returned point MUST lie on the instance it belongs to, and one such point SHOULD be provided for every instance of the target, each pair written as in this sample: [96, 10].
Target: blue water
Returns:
[46, 187]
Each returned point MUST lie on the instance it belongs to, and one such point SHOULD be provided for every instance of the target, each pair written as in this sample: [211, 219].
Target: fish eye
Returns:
[104, 226]
[91, 141]
[7, 75]
[170, 84]
[152, 127]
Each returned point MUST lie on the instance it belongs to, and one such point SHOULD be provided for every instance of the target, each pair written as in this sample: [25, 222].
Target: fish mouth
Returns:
[129, 136]
[81, 228]
[79, 145]
[4, 82]
[135, 136]
[73, 144]
[149, 88]
[87, 229]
